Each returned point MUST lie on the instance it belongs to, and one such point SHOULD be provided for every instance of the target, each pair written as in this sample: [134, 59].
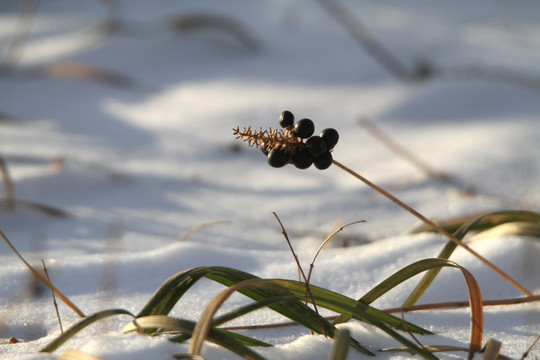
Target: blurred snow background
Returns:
[121, 115]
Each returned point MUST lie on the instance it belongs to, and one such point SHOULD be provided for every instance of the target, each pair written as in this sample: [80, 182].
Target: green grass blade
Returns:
[243, 310]
[233, 342]
[349, 307]
[170, 292]
[482, 222]
[295, 309]
[427, 265]
[81, 325]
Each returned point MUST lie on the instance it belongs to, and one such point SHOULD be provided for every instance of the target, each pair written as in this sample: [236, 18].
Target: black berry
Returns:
[324, 161]
[330, 137]
[278, 158]
[286, 119]
[264, 149]
[304, 128]
[316, 146]
[302, 159]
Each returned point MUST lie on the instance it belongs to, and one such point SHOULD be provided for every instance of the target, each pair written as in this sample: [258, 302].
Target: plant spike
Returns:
[286, 140]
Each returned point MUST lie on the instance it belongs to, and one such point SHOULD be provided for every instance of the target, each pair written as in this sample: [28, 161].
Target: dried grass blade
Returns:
[475, 296]
[36, 273]
[515, 228]
[202, 328]
[479, 222]
[200, 227]
[476, 313]
[328, 238]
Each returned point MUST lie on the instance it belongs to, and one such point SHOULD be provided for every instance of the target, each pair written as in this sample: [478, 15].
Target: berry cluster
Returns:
[295, 144]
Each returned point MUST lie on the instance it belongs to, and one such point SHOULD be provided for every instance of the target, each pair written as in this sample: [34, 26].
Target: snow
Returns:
[138, 165]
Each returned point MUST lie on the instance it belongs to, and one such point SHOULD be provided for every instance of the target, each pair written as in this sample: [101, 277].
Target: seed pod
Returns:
[286, 119]
[278, 158]
[302, 159]
[304, 128]
[324, 161]
[330, 137]
[316, 146]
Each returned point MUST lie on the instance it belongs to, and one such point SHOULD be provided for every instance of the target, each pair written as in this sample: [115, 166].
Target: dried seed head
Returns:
[292, 144]
[270, 139]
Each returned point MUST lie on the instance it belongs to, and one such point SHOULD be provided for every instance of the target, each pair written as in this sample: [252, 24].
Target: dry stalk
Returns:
[36, 273]
[308, 289]
[49, 283]
[435, 227]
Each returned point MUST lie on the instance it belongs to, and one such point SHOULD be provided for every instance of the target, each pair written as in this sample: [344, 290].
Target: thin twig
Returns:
[465, 303]
[526, 353]
[404, 323]
[53, 296]
[328, 238]
[435, 227]
[308, 289]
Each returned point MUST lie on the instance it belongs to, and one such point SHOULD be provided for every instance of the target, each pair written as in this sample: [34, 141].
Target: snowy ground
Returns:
[139, 164]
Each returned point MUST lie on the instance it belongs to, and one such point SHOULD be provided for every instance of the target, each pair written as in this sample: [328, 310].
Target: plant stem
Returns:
[434, 226]
[308, 289]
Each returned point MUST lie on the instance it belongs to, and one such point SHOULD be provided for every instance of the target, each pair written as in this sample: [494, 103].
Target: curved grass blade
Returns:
[233, 342]
[81, 325]
[175, 287]
[515, 228]
[186, 326]
[204, 324]
[491, 219]
[295, 310]
[247, 309]
[349, 307]
[475, 296]
[480, 222]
